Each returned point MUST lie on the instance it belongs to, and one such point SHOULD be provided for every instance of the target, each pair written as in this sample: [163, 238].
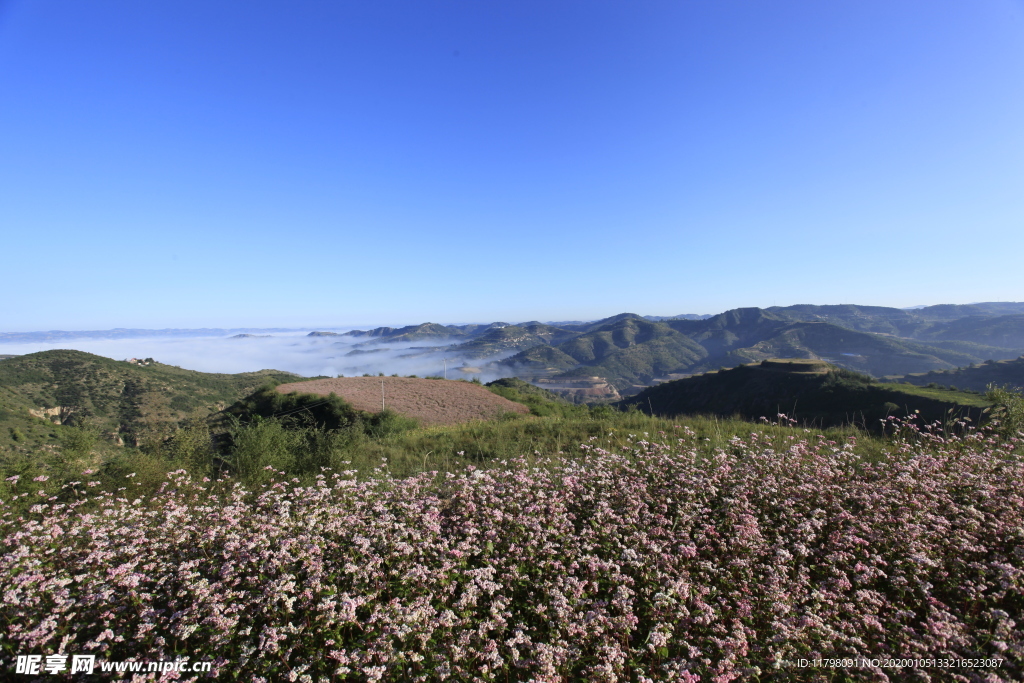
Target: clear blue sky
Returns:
[200, 163]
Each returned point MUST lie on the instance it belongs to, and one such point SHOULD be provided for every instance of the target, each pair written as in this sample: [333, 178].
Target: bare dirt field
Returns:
[431, 401]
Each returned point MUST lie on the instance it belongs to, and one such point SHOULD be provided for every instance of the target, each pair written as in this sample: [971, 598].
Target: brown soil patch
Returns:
[431, 401]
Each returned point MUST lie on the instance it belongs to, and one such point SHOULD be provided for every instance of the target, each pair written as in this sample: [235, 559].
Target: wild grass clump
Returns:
[658, 560]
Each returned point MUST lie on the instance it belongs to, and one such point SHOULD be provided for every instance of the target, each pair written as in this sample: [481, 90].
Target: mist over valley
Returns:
[603, 359]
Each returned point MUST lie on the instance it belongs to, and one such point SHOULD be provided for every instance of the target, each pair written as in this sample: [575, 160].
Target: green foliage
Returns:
[541, 402]
[325, 412]
[191, 447]
[1007, 415]
[77, 442]
[260, 444]
[388, 423]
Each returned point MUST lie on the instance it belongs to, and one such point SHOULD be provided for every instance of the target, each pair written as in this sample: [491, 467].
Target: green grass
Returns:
[303, 451]
[944, 395]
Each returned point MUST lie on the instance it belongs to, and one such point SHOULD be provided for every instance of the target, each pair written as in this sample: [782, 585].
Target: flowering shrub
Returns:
[655, 564]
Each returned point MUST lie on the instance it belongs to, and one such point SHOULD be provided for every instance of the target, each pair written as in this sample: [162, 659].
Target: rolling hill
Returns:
[626, 351]
[977, 377]
[812, 392]
[631, 352]
[128, 402]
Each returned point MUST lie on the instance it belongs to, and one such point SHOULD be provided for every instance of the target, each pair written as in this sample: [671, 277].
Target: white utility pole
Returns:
[445, 368]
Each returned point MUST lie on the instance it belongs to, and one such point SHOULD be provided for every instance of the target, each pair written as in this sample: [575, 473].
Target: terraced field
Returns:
[431, 401]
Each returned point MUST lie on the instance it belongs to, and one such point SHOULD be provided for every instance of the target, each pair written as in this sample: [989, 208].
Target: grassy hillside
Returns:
[861, 351]
[1005, 331]
[811, 392]
[733, 329]
[583, 546]
[642, 362]
[541, 402]
[975, 377]
[121, 400]
[542, 359]
[993, 324]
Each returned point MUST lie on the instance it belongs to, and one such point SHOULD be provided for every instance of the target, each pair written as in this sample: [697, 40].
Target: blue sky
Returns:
[201, 163]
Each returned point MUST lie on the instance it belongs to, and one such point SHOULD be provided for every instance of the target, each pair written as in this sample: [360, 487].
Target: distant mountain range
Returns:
[630, 352]
[125, 333]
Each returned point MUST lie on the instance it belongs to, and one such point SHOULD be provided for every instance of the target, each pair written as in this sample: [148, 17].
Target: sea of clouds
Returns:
[290, 351]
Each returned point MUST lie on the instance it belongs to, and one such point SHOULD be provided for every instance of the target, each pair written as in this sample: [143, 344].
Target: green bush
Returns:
[389, 423]
[1007, 412]
[262, 443]
[191, 447]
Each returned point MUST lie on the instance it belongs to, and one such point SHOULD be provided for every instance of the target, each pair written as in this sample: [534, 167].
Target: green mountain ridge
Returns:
[630, 352]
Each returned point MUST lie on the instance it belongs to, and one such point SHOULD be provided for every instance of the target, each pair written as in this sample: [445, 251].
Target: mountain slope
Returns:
[498, 340]
[626, 351]
[977, 377]
[410, 332]
[124, 400]
[1006, 331]
[875, 354]
[811, 392]
[731, 330]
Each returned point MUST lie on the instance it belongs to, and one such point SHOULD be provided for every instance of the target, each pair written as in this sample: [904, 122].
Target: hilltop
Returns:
[812, 392]
[128, 402]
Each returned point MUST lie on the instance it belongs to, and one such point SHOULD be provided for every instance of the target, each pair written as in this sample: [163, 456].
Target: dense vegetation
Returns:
[291, 537]
[642, 557]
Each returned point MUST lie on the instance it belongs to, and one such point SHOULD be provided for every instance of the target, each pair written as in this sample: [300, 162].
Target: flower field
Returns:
[660, 562]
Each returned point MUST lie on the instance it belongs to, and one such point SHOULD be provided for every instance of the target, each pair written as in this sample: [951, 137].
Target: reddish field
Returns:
[431, 401]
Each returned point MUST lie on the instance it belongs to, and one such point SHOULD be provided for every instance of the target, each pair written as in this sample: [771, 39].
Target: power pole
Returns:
[445, 367]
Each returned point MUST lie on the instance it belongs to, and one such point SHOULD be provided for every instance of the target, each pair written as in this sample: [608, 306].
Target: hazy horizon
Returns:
[341, 328]
[296, 352]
